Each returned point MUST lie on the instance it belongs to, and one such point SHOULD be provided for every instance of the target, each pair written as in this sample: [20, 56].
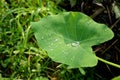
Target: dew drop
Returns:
[97, 41]
[72, 58]
[75, 44]
[68, 45]
[89, 22]
[105, 29]
[56, 40]
[42, 38]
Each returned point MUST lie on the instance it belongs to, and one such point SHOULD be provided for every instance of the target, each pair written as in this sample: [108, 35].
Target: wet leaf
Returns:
[69, 36]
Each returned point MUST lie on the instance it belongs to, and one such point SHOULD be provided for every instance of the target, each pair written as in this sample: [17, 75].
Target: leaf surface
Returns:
[69, 36]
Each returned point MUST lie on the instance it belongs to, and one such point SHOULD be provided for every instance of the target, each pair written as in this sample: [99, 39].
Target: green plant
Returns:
[68, 38]
[116, 9]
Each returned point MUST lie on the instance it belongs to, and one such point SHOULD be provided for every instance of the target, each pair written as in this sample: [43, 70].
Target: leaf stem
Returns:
[107, 62]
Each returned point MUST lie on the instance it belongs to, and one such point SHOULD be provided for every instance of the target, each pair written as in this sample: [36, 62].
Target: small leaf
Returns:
[69, 36]
[82, 71]
[116, 10]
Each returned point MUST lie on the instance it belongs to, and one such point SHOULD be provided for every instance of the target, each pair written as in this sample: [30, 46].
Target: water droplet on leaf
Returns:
[98, 41]
[105, 29]
[56, 40]
[42, 38]
[71, 59]
[68, 45]
[89, 22]
[75, 44]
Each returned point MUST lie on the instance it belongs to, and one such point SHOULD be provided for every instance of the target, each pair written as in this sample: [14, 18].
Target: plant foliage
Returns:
[69, 36]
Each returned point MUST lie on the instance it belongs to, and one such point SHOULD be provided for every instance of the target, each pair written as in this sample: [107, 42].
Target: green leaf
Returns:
[116, 10]
[82, 71]
[116, 78]
[69, 36]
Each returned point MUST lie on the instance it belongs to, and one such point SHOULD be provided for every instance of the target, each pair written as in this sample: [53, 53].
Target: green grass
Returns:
[20, 56]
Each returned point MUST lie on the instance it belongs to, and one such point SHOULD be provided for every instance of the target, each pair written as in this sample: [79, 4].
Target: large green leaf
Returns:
[68, 37]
